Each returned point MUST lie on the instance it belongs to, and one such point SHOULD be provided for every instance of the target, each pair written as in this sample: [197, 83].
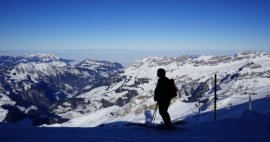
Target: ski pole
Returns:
[153, 118]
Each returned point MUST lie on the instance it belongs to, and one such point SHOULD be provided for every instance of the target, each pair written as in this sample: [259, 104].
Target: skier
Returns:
[163, 99]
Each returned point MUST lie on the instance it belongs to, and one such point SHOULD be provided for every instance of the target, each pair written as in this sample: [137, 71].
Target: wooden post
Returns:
[249, 101]
[215, 99]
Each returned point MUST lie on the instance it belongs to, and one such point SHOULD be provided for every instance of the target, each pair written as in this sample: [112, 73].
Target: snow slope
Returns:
[230, 107]
[245, 129]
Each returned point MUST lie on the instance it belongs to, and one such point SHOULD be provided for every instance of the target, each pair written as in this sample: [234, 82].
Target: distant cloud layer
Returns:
[123, 56]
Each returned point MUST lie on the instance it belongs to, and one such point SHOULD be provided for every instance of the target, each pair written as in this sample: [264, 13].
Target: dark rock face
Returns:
[39, 94]
[197, 94]
[6, 60]
[14, 114]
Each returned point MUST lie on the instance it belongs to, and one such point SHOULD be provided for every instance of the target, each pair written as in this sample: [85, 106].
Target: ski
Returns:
[173, 129]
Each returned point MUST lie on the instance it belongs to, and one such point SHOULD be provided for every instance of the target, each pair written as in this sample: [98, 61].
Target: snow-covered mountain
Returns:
[36, 81]
[38, 58]
[105, 68]
[128, 96]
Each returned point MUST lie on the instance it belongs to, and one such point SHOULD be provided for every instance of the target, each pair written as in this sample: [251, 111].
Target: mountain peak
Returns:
[251, 54]
[47, 57]
[94, 64]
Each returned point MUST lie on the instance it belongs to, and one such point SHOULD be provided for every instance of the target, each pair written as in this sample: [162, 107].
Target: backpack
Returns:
[172, 89]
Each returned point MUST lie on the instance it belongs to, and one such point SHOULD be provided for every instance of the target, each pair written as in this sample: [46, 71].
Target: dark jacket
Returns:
[162, 90]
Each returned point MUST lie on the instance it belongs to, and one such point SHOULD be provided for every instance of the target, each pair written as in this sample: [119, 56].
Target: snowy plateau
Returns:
[95, 101]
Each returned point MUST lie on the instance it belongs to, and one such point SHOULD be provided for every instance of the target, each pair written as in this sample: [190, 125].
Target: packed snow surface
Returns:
[250, 128]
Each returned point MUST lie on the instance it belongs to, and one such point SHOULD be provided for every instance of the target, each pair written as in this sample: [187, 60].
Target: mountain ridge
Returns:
[127, 95]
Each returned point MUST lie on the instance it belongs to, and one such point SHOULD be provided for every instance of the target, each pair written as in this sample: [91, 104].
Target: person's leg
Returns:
[163, 111]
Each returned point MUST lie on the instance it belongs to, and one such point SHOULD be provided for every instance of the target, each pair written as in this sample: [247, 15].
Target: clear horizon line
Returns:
[127, 49]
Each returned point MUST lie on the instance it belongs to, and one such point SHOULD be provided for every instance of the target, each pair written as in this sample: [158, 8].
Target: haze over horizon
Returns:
[122, 56]
[135, 24]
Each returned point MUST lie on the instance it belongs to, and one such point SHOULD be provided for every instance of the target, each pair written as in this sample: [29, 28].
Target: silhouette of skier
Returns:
[162, 97]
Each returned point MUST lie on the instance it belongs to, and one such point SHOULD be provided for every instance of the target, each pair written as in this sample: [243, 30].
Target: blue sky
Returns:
[135, 24]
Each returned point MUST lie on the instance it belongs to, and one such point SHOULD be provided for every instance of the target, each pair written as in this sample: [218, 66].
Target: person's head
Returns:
[161, 72]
